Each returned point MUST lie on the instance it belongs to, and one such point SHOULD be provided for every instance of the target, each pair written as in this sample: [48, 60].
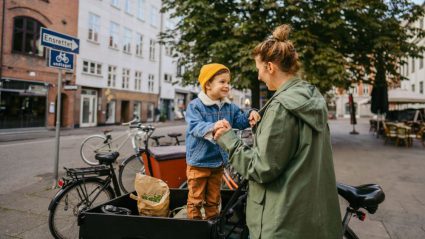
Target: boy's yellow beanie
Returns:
[207, 71]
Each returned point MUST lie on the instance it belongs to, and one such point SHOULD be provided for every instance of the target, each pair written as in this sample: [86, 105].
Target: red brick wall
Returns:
[59, 15]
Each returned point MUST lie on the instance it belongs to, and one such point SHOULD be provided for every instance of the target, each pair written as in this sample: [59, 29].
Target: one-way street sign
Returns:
[59, 41]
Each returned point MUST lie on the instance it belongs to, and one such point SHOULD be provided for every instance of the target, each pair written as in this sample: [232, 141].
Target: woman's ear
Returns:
[271, 67]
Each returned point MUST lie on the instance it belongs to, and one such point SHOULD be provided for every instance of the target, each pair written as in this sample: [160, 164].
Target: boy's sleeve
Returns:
[276, 146]
[196, 124]
[240, 118]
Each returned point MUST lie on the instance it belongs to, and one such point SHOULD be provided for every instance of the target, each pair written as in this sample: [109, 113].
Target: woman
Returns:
[292, 190]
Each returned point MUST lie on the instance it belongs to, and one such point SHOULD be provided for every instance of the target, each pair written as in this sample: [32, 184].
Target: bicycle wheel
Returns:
[349, 234]
[91, 146]
[75, 199]
[128, 169]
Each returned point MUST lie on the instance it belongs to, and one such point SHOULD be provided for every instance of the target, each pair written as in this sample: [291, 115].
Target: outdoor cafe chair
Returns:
[402, 136]
[390, 132]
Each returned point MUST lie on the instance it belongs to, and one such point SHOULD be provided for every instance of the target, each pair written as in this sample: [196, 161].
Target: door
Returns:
[88, 110]
[110, 112]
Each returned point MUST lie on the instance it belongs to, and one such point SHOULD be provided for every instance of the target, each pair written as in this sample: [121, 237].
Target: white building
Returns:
[121, 70]
[414, 69]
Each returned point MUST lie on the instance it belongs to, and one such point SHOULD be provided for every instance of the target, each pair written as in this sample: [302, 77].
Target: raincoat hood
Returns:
[304, 101]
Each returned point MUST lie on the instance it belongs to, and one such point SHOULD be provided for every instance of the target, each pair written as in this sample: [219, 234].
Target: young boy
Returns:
[205, 159]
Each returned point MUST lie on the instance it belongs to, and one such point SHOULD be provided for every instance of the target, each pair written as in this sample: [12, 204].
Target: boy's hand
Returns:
[224, 127]
[253, 118]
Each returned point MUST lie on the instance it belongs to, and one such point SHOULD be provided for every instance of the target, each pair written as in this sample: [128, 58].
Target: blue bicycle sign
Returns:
[61, 60]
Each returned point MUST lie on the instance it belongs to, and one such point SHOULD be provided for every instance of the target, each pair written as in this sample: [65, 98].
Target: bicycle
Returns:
[134, 164]
[104, 143]
[82, 189]
[174, 136]
[367, 197]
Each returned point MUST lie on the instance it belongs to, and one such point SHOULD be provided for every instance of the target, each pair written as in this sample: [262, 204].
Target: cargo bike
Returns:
[169, 165]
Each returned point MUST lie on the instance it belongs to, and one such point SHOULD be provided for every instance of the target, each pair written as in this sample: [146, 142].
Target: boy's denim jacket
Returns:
[201, 115]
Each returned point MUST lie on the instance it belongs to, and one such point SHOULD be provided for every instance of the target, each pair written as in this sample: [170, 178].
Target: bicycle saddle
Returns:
[367, 196]
[107, 158]
[174, 134]
[157, 137]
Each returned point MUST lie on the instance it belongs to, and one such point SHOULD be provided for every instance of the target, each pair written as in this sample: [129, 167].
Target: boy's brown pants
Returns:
[204, 190]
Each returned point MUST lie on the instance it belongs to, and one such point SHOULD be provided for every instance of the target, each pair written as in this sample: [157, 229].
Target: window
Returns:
[137, 109]
[113, 35]
[127, 7]
[407, 68]
[26, 34]
[365, 89]
[168, 51]
[154, 16]
[91, 67]
[112, 76]
[138, 80]
[125, 78]
[413, 87]
[355, 90]
[413, 65]
[94, 27]
[139, 44]
[152, 50]
[127, 41]
[115, 3]
[140, 7]
[168, 78]
[179, 69]
[421, 63]
[150, 82]
[421, 87]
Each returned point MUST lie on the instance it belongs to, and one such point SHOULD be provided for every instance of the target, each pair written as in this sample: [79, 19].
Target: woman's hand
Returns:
[224, 127]
[253, 118]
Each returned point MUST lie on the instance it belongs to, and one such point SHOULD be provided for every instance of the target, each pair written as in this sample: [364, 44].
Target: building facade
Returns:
[414, 69]
[27, 86]
[361, 98]
[118, 66]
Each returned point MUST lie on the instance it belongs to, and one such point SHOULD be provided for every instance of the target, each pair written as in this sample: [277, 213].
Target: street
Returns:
[27, 169]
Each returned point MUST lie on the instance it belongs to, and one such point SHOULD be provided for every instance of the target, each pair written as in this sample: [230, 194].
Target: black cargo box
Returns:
[96, 224]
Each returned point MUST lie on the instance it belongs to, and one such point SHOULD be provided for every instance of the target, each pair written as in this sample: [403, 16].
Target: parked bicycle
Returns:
[82, 189]
[104, 143]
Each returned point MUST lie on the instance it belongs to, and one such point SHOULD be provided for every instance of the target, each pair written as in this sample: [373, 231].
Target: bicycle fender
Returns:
[71, 184]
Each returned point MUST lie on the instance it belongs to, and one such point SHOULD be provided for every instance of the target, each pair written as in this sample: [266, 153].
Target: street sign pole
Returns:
[58, 122]
[62, 50]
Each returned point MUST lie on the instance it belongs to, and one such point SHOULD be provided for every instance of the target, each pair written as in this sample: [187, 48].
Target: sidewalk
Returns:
[17, 134]
[359, 159]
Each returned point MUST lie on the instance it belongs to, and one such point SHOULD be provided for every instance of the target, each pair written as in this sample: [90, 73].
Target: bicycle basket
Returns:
[111, 209]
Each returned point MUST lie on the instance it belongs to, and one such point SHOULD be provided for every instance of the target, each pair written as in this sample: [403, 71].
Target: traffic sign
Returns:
[70, 87]
[59, 41]
[61, 60]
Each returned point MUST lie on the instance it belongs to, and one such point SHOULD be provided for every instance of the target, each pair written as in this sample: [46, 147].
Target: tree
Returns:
[339, 42]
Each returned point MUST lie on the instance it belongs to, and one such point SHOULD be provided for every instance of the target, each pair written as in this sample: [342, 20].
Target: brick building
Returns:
[27, 86]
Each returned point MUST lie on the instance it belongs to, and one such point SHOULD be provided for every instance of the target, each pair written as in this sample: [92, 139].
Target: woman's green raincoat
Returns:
[292, 190]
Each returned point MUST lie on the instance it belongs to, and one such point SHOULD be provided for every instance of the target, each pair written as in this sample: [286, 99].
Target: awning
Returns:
[400, 96]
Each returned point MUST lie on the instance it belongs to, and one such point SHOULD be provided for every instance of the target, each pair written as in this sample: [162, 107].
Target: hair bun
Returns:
[281, 32]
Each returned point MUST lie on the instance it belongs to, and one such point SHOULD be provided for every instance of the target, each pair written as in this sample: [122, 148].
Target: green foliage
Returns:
[338, 42]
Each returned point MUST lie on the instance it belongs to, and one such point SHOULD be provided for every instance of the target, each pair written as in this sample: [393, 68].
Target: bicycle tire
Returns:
[92, 145]
[349, 234]
[128, 169]
[66, 206]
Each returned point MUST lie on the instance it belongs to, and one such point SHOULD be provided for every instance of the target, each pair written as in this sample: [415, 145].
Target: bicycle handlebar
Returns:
[135, 120]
